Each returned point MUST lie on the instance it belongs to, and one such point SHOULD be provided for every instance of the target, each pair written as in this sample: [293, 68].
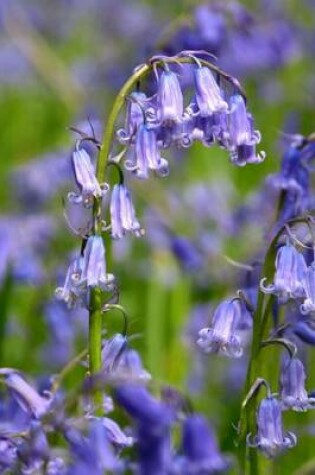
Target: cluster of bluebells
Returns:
[216, 114]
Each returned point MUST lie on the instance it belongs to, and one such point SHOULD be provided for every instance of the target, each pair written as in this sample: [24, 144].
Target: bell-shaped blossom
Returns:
[270, 438]
[147, 154]
[170, 101]
[135, 115]
[86, 180]
[308, 306]
[292, 386]
[112, 351]
[94, 453]
[242, 138]
[27, 397]
[115, 435]
[200, 450]
[221, 337]
[208, 94]
[94, 265]
[122, 364]
[289, 275]
[153, 421]
[123, 216]
[71, 292]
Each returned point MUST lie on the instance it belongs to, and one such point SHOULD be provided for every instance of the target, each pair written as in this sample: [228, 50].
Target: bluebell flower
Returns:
[71, 292]
[242, 136]
[153, 421]
[147, 154]
[221, 336]
[292, 386]
[86, 180]
[170, 101]
[308, 306]
[122, 364]
[135, 115]
[34, 451]
[199, 447]
[92, 454]
[123, 216]
[208, 94]
[112, 351]
[270, 438]
[29, 399]
[94, 265]
[289, 275]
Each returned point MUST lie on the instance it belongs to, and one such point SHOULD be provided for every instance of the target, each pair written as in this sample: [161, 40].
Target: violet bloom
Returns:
[221, 337]
[289, 276]
[112, 350]
[86, 180]
[242, 136]
[170, 101]
[270, 438]
[308, 306]
[92, 454]
[208, 93]
[200, 450]
[94, 265]
[27, 397]
[71, 293]
[135, 116]
[147, 154]
[153, 421]
[123, 216]
[292, 383]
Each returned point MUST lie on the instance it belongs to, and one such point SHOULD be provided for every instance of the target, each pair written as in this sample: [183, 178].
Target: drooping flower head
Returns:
[221, 336]
[86, 180]
[123, 216]
[208, 94]
[153, 421]
[200, 450]
[292, 386]
[289, 275]
[270, 438]
[170, 101]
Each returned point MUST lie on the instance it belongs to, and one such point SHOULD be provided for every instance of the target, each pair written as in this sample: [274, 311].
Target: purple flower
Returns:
[221, 337]
[112, 351]
[28, 398]
[135, 116]
[289, 275]
[270, 438]
[86, 180]
[153, 420]
[200, 450]
[92, 454]
[147, 154]
[208, 94]
[123, 216]
[94, 265]
[122, 364]
[308, 306]
[170, 101]
[71, 293]
[242, 136]
[292, 386]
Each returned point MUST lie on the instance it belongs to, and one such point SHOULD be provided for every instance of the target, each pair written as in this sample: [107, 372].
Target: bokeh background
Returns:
[61, 64]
